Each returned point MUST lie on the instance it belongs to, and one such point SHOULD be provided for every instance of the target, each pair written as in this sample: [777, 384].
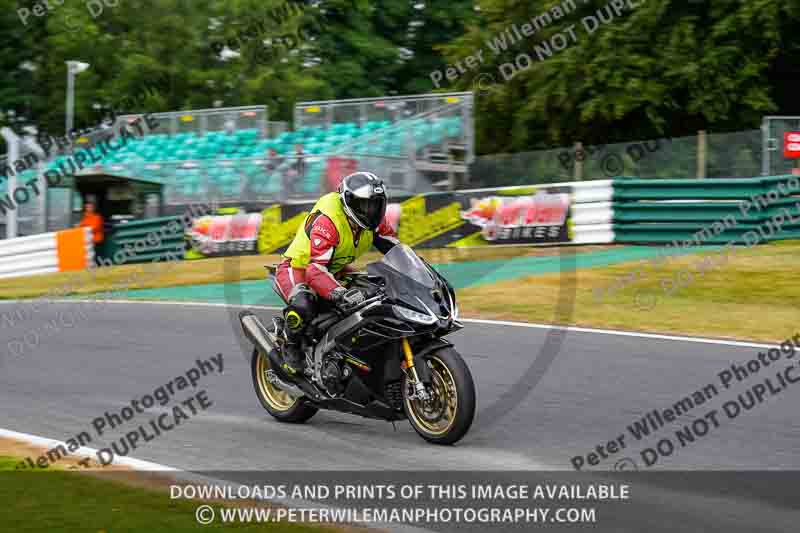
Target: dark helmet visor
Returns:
[370, 211]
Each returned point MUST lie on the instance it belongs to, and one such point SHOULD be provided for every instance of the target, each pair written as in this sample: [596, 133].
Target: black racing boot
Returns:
[294, 361]
[295, 316]
[293, 357]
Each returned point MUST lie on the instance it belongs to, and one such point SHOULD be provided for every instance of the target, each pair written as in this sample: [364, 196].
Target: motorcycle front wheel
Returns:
[447, 415]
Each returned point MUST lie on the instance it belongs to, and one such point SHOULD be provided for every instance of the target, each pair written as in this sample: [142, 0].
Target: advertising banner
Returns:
[523, 215]
[526, 215]
[213, 236]
[537, 218]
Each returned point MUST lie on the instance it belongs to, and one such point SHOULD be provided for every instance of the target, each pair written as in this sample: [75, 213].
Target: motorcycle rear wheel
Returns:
[278, 403]
[448, 415]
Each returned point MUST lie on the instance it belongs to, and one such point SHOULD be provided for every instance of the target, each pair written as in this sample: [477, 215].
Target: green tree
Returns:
[663, 68]
[261, 54]
[18, 52]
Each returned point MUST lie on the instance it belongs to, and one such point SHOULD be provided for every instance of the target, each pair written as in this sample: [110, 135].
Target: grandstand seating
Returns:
[246, 144]
[196, 154]
[185, 160]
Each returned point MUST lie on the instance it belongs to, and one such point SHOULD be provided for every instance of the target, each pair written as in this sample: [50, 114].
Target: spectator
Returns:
[295, 172]
[272, 165]
[92, 219]
[230, 126]
[300, 161]
[274, 160]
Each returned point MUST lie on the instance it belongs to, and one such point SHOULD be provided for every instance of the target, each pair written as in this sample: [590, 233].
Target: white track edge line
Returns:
[85, 451]
[622, 333]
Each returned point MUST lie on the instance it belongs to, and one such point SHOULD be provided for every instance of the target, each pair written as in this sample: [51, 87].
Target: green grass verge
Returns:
[62, 501]
[754, 294]
[218, 270]
[7, 463]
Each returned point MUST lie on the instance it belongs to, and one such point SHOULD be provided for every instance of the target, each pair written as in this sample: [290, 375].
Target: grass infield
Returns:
[753, 293]
[74, 501]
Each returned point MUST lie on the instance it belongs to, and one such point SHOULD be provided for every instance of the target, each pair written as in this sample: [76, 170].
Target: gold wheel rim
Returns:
[445, 401]
[278, 399]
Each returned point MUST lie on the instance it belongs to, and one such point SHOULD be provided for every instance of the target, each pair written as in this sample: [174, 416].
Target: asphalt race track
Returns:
[596, 386]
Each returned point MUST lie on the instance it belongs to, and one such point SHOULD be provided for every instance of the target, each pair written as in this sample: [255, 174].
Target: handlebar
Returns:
[349, 310]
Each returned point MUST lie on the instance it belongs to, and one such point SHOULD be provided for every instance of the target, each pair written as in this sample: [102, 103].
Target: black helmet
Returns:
[364, 199]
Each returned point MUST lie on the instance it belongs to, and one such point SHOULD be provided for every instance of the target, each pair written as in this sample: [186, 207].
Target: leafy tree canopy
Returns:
[664, 68]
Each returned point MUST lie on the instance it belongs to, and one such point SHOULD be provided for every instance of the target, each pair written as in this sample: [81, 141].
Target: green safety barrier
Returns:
[699, 211]
[636, 189]
[685, 189]
[711, 211]
[669, 232]
[143, 236]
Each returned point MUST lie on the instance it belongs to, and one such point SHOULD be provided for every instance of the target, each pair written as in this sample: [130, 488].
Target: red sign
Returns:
[791, 144]
[337, 168]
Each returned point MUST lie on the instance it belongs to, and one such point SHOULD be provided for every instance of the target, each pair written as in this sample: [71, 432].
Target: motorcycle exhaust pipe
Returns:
[286, 387]
[265, 340]
[255, 331]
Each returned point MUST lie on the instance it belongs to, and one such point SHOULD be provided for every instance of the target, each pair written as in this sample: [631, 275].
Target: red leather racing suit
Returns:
[324, 238]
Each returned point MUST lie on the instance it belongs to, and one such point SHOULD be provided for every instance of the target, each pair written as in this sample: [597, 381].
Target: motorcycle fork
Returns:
[408, 364]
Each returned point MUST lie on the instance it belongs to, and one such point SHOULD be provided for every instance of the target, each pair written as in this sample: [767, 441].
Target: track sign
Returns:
[791, 144]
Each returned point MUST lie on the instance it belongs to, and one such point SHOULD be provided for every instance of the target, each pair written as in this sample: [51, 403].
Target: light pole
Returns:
[73, 68]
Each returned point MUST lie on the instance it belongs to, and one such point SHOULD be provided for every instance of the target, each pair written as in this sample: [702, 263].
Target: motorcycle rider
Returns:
[341, 227]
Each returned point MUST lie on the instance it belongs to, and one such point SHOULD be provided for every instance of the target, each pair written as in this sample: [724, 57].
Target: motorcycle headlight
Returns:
[413, 316]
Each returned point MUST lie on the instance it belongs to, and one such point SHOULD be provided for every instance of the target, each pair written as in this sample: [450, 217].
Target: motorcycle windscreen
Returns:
[409, 280]
[402, 259]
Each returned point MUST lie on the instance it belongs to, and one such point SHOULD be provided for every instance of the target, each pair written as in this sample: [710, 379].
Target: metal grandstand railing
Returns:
[436, 130]
[324, 113]
[211, 120]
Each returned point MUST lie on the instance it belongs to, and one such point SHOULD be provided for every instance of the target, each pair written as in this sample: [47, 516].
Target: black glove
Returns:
[347, 298]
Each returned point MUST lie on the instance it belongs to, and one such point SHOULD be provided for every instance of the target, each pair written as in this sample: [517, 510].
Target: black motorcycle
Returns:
[385, 358]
